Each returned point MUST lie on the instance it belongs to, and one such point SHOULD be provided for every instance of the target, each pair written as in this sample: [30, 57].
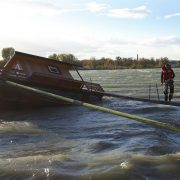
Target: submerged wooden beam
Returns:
[103, 109]
[141, 99]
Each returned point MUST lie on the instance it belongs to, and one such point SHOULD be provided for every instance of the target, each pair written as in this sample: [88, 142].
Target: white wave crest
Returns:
[18, 127]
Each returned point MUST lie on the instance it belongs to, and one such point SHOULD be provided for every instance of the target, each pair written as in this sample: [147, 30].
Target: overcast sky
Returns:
[85, 28]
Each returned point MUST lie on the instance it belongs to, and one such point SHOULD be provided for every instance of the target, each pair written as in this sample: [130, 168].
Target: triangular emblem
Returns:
[18, 67]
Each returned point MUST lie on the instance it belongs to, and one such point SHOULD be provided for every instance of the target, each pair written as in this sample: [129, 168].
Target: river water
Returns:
[74, 142]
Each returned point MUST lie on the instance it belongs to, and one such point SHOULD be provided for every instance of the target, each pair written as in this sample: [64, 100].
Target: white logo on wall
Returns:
[18, 66]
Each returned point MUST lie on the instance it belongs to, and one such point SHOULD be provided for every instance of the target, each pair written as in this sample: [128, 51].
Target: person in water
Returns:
[167, 76]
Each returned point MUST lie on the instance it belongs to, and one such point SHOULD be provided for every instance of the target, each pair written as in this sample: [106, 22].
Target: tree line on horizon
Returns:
[102, 63]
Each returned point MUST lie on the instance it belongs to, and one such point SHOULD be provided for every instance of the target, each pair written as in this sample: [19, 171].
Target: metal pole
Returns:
[81, 77]
[149, 91]
[157, 91]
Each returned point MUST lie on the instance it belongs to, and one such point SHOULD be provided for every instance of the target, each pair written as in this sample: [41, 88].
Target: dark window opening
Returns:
[54, 70]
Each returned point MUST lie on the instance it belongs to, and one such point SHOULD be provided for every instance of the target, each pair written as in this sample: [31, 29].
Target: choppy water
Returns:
[79, 143]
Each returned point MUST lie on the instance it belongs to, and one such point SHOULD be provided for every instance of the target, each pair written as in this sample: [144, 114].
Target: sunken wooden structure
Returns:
[45, 74]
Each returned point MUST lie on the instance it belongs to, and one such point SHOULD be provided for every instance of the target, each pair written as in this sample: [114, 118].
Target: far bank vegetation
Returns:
[118, 63]
[102, 63]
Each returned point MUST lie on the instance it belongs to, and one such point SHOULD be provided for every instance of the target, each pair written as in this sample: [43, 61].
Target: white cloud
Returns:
[28, 8]
[32, 8]
[112, 46]
[163, 41]
[171, 15]
[96, 7]
[86, 46]
[135, 13]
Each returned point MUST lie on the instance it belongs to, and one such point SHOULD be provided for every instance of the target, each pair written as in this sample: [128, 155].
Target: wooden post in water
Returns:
[103, 109]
